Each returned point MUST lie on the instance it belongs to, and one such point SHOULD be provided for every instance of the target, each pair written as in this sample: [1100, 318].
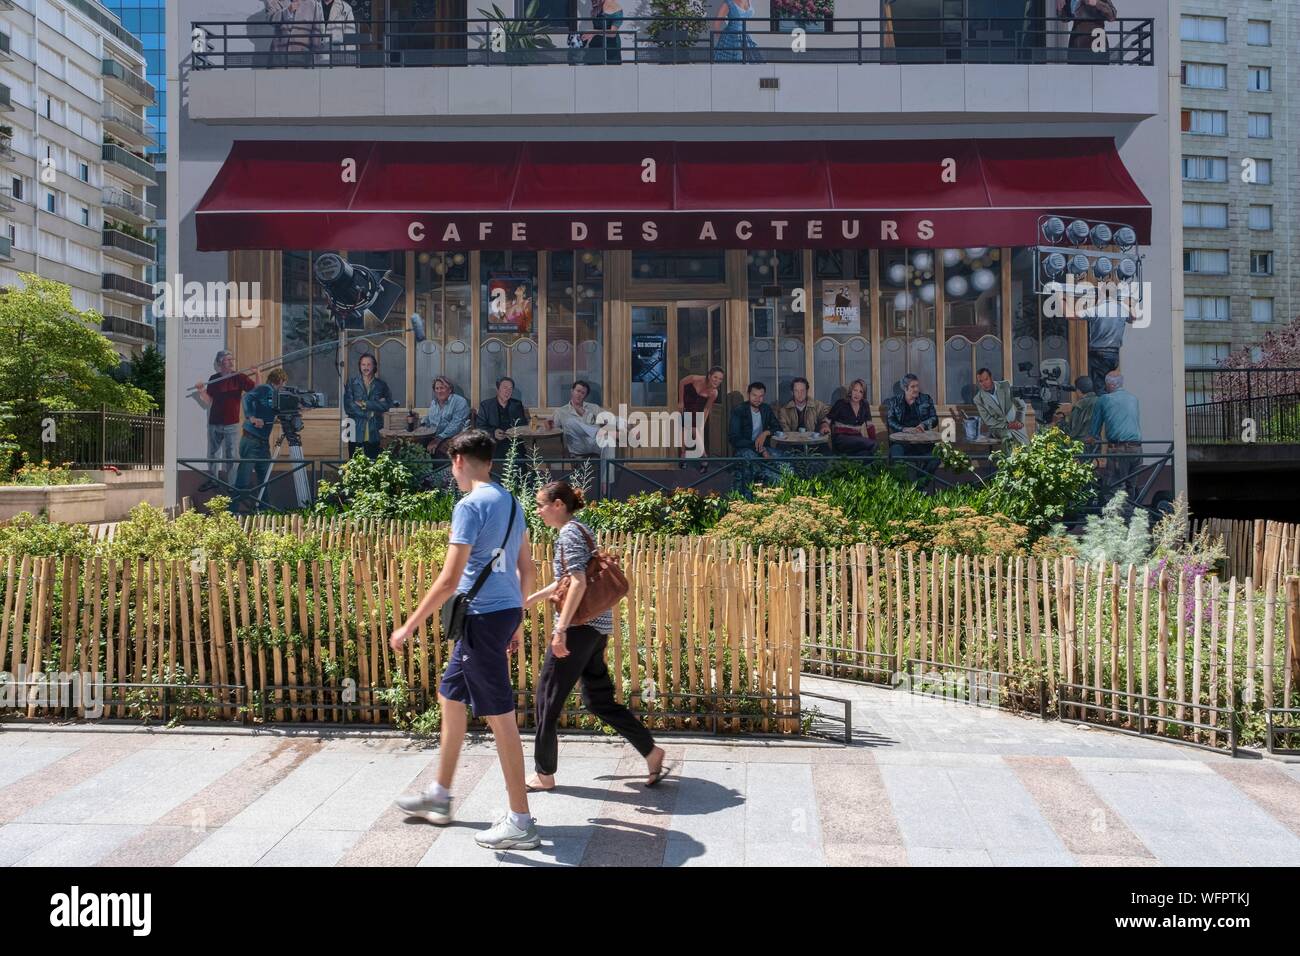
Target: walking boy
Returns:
[488, 537]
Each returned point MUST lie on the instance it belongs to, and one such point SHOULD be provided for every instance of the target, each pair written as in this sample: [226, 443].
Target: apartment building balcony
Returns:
[952, 66]
[126, 289]
[6, 4]
[133, 209]
[126, 125]
[119, 245]
[130, 86]
[6, 249]
[130, 331]
[126, 165]
[6, 100]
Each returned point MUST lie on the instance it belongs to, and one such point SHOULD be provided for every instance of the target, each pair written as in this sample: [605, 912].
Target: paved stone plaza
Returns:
[926, 783]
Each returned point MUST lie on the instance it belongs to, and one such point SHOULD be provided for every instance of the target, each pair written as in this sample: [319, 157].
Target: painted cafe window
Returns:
[307, 329]
[841, 308]
[777, 315]
[907, 316]
[575, 289]
[972, 318]
[385, 340]
[442, 298]
[508, 324]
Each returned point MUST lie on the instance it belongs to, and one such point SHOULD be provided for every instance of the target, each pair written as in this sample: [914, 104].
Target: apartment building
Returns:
[862, 199]
[1240, 178]
[72, 197]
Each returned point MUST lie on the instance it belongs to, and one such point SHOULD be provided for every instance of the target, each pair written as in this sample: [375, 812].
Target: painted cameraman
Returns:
[365, 401]
[260, 406]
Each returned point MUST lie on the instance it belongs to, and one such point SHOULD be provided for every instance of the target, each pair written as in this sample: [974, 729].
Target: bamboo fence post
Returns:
[1162, 653]
[1198, 608]
[1130, 595]
[1268, 651]
[1180, 658]
[1214, 659]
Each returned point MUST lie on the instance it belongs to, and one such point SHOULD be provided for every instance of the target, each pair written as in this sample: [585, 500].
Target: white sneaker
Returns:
[426, 806]
[506, 836]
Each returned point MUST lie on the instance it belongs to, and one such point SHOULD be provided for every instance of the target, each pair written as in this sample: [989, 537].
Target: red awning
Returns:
[619, 195]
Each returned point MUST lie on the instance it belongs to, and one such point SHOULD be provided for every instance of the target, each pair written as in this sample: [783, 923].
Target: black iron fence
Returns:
[1243, 406]
[521, 42]
[103, 438]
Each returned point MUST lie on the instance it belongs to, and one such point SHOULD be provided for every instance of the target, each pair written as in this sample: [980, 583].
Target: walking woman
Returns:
[577, 649]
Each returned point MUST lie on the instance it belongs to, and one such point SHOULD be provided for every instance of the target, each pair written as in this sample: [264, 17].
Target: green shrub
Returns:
[684, 512]
[382, 488]
[44, 473]
[961, 530]
[426, 544]
[797, 523]
[1042, 483]
[29, 535]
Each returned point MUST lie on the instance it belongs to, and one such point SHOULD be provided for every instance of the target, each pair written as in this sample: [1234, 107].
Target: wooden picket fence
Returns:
[1142, 649]
[709, 635]
[1256, 548]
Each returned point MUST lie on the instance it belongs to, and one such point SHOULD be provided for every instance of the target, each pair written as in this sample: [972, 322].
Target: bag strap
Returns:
[564, 564]
[487, 567]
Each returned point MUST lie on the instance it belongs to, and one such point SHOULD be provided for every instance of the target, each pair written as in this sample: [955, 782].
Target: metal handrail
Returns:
[112, 153]
[120, 199]
[112, 69]
[1237, 406]
[468, 41]
[116, 239]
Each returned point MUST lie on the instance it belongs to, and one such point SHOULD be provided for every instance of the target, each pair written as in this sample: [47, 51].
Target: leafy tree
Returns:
[1042, 483]
[53, 357]
[147, 373]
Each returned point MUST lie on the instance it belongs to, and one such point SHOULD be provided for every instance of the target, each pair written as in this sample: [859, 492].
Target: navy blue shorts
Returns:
[478, 673]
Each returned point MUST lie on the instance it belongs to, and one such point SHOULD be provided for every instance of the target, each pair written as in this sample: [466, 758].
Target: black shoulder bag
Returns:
[455, 610]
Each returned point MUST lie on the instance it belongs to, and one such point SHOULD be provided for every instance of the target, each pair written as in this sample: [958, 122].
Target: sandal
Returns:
[664, 770]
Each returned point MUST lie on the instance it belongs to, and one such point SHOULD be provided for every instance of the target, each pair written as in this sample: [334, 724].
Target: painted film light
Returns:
[1079, 232]
[1127, 268]
[1103, 267]
[1079, 264]
[1125, 238]
[1054, 265]
[1053, 230]
[1101, 234]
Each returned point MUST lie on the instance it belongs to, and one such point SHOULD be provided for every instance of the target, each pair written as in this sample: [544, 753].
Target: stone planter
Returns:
[65, 503]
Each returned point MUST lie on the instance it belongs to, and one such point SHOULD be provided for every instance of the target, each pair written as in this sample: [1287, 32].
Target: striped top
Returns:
[573, 552]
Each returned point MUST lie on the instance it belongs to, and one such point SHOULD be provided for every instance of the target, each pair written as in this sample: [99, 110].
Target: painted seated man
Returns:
[750, 431]
[580, 422]
[912, 410]
[448, 416]
[803, 412]
[1000, 412]
[500, 413]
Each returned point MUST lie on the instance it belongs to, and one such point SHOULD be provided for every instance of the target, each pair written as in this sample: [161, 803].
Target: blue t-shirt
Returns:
[480, 520]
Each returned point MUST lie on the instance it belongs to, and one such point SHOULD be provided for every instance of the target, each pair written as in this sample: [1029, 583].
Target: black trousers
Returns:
[586, 661]
[1101, 362]
[371, 448]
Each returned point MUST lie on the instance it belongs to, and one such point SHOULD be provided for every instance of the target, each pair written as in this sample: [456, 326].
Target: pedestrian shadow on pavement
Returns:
[605, 842]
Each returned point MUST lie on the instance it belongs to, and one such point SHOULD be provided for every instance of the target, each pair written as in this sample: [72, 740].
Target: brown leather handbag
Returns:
[606, 584]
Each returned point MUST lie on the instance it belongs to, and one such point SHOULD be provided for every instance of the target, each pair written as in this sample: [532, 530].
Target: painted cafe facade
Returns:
[632, 224]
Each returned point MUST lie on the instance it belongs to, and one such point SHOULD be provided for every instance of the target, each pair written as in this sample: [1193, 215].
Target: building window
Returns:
[1205, 215]
[907, 316]
[51, 204]
[17, 188]
[1259, 33]
[1259, 125]
[507, 330]
[1205, 122]
[702, 266]
[1260, 79]
[1261, 263]
[1205, 76]
[841, 346]
[574, 305]
[1206, 308]
[1264, 172]
[1206, 261]
[83, 171]
[1205, 354]
[85, 216]
[1205, 169]
[776, 328]
[1261, 310]
[1204, 29]
[1261, 217]
[442, 297]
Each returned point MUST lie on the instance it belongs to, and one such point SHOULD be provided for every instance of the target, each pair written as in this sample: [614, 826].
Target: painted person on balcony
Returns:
[604, 45]
[1088, 16]
[696, 395]
[501, 412]
[577, 647]
[912, 410]
[851, 428]
[300, 30]
[732, 42]
[339, 22]
[448, 416]
[1002, 414]
[365, 401]
[223, 393]
[255, 441]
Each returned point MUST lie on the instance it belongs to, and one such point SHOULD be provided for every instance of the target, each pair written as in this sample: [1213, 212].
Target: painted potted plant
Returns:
[515, 39]
[676, 27]
[813, 16]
